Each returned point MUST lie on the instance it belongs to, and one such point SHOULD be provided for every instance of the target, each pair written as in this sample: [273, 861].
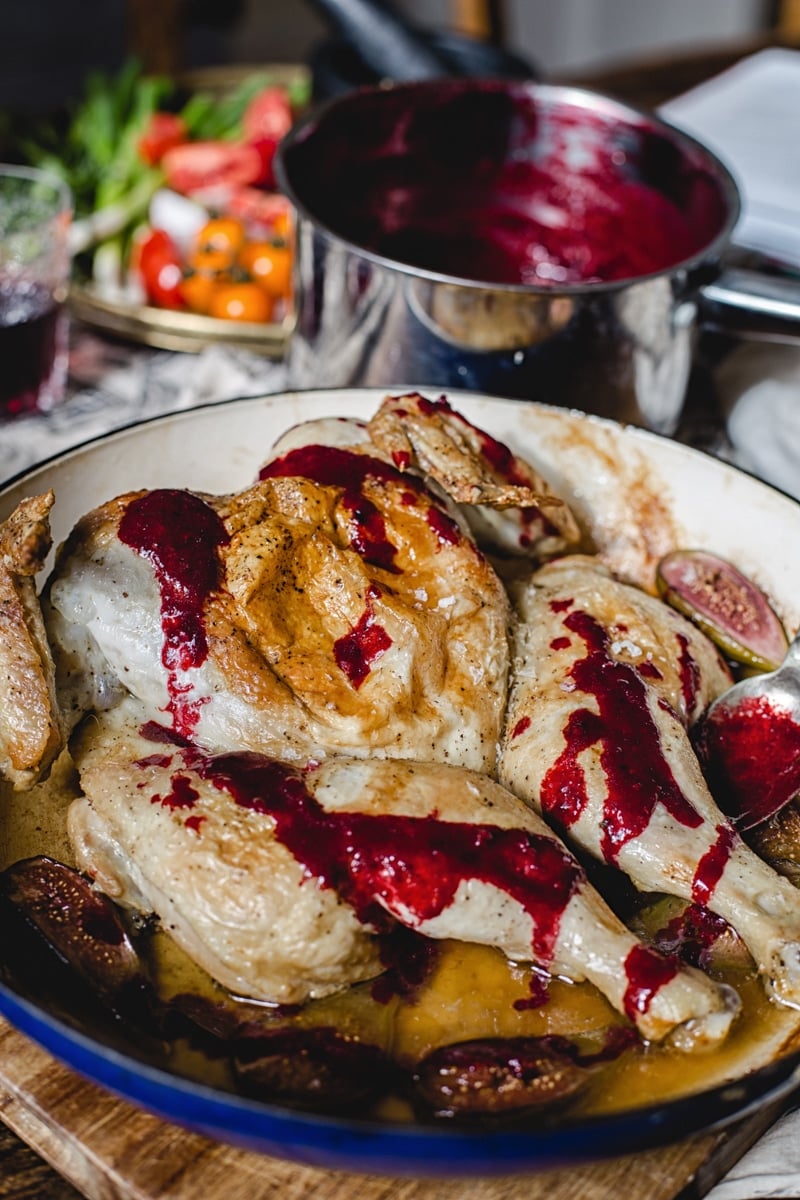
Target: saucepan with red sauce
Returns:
[535, 241]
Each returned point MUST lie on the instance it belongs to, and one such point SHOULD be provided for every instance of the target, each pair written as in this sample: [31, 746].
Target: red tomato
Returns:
[265, 214]
[163, 132]
[155, 257]
[266, 148]
[198, 166]
[268, 115]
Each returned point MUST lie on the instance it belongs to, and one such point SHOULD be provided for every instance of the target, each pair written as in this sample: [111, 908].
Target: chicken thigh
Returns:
[606, 680]
[278, 877]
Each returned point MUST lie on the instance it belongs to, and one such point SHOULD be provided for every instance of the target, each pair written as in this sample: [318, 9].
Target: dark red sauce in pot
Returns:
[504, 183]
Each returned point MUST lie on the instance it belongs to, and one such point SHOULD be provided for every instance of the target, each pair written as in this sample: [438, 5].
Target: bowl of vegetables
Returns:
[181, 237]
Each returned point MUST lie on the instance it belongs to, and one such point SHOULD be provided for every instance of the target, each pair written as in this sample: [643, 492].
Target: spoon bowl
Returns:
[749, 743]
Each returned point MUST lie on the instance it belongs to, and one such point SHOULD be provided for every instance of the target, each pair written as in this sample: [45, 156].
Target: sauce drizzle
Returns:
[180, 536]
[636, 782]
[357, 650]
[388, 864]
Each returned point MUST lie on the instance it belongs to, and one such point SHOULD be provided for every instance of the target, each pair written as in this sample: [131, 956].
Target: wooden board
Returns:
[110, 1150]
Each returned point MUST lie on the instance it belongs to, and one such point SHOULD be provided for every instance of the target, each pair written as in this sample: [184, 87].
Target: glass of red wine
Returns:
[35, 215]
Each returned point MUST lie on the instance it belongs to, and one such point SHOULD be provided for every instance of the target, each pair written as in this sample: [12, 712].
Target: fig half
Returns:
[489, 1077]
[725, 604]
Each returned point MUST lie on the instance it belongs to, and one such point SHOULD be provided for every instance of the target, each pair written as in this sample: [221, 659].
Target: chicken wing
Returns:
[278, 877]
[606, 680]
[508, 505]
[30, 732]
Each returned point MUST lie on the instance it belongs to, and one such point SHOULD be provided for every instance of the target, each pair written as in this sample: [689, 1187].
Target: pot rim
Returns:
[587, 98]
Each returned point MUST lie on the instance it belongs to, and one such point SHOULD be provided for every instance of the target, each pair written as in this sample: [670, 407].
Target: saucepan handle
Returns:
[750, 303]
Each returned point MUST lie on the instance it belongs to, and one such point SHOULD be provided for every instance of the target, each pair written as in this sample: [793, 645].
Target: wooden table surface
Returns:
[646, 83]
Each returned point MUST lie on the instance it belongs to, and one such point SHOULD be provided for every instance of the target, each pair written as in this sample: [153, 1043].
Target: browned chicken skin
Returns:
[606, 680]
[30, 734]
[277, 878]
[349, 613]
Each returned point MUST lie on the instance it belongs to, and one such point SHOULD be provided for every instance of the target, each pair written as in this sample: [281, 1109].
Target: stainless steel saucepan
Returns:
[516, 238]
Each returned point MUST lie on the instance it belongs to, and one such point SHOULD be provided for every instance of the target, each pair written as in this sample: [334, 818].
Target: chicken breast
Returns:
[336, 606]
[278, 878]
[606, 680]
[30, 731]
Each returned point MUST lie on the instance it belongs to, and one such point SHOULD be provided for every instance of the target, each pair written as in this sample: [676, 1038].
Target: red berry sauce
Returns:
[381, 864]
[357, 650]
[752, 759]
[647, 972]
[180, 536]
[713, 863]
[638, 781]
[493, 182]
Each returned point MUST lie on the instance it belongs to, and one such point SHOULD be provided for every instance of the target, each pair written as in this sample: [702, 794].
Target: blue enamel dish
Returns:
[611, 474]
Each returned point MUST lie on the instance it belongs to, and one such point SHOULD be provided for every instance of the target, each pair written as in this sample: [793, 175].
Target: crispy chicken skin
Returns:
[30, 733]
[606, 680]
[508, 505]
[277, 877]
[347, 612]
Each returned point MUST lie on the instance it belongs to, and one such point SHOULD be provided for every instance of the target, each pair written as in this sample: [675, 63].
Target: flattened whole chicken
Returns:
[277, 877]
[336, 606]
[606, 681]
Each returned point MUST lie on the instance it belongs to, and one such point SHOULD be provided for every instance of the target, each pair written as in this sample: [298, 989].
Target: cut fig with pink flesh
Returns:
[725, 604]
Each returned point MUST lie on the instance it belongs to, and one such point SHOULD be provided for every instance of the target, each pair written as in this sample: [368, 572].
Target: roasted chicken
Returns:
[278, 878]
[299, 711]
[336, 606]
[30, 728]
[606, 681]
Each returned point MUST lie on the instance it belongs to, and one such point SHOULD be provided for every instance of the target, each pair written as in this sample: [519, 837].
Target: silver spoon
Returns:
[749, 743]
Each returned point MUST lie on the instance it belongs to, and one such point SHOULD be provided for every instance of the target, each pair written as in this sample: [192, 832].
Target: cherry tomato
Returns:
[199, 166]
[268, 115]
[198, 288]
[217, 244]
[240, 302]
[270, 265]
[163, 132]
[155, 256]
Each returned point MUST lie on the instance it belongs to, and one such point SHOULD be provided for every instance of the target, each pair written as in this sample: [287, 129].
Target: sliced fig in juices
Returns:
[725, 604]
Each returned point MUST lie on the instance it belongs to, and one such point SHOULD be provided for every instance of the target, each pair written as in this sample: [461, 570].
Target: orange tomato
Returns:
[217, 245]
[269, 264]
[240, 302]
[197, 289]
